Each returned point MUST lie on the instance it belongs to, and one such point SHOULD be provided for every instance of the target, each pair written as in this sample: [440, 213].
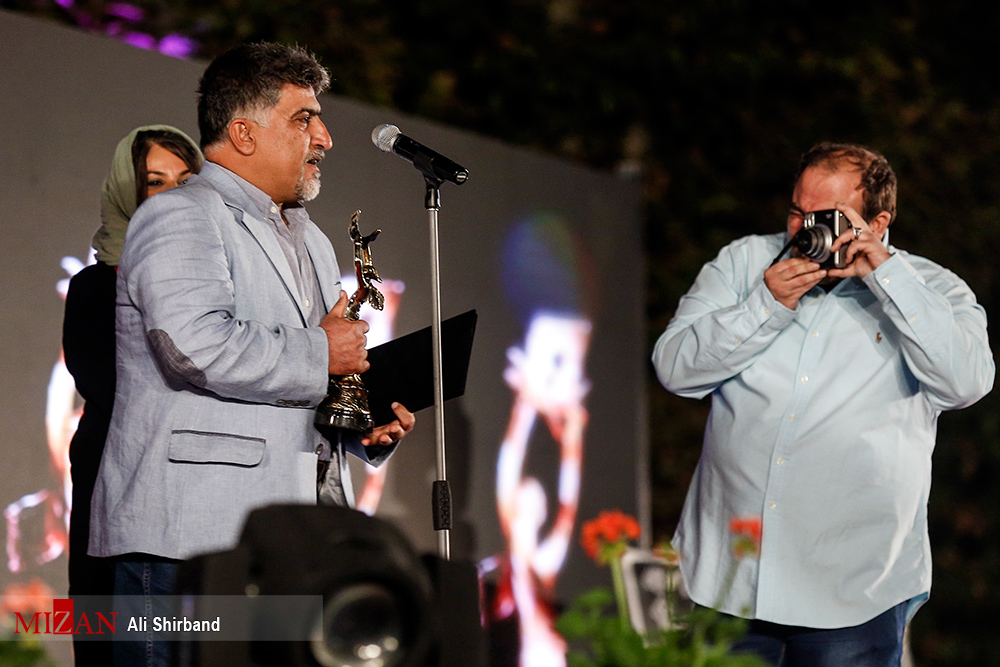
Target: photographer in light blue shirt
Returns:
[826, 387]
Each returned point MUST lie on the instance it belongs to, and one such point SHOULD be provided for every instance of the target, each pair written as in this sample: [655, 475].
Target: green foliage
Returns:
[600, 640]
[15, 652]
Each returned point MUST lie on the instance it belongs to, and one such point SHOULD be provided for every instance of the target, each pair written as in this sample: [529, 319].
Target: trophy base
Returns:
[352, 421]
[345, 405]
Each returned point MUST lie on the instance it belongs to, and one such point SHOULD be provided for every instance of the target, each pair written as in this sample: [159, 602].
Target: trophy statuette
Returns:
[346, 402]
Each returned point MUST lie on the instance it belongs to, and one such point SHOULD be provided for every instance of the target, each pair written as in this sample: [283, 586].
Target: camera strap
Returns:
[785, 249]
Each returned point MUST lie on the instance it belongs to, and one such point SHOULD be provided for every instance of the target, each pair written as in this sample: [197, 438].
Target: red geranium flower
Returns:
[34, 596]
[746, 532]
[610, 528]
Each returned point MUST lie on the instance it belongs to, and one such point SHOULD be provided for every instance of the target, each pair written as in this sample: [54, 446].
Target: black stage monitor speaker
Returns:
[382, 605]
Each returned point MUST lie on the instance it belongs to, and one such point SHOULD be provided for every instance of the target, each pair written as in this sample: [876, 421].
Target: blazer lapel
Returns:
[237, 200]
[264, 236]
[325, 262]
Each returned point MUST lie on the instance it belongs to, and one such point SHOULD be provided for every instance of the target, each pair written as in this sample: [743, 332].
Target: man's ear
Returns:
[241, 136]
[880, 223]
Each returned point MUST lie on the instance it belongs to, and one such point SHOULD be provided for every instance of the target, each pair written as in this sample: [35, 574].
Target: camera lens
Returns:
[814, 242]
[363, 625]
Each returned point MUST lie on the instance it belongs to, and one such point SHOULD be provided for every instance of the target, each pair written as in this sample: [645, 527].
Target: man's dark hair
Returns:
[877, 178]
[248, 80]
[173, 142]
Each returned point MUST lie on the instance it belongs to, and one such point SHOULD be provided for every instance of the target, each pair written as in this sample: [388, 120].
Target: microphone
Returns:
[432, 165]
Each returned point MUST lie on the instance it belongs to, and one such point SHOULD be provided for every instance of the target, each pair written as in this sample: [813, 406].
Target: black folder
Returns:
[403, 369]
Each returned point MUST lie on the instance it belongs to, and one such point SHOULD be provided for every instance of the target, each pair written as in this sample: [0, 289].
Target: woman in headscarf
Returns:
[149, 160]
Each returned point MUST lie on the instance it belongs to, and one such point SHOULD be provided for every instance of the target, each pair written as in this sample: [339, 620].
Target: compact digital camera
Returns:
[819, 230]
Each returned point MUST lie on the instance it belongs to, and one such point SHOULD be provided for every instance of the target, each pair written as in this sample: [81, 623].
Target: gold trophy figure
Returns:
[346, 402]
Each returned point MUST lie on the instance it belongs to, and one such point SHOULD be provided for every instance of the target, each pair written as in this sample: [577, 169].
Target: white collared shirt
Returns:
[823, 422]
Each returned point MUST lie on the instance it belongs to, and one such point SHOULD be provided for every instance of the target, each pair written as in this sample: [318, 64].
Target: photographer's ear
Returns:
[880, 223]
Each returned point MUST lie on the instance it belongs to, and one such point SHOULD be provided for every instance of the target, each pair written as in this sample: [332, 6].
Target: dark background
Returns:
[711, 102]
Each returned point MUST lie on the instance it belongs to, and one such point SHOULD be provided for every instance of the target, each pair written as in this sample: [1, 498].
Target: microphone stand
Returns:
[441, 491]
[423, 159]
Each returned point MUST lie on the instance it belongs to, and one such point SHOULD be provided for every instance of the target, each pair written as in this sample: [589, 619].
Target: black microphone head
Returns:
[384, 136]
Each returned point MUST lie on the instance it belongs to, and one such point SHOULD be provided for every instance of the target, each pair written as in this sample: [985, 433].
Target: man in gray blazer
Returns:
[229, 319]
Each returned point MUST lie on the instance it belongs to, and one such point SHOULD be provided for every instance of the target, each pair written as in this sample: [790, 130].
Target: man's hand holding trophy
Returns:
[346, 402]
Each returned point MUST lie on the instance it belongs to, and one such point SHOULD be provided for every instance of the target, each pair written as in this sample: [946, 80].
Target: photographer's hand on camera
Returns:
[789, 279]
[865, 250]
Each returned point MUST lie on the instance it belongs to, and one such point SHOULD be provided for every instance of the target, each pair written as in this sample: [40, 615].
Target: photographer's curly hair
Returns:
[877, 178]
[247, 81]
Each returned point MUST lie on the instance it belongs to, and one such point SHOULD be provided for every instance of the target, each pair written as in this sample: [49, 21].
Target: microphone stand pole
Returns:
[441, 492]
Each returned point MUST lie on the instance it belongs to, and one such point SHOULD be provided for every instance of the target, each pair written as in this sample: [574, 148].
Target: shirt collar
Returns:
[295, 214]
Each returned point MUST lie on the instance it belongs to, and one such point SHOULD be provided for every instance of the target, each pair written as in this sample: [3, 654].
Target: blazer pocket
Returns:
[207, 447]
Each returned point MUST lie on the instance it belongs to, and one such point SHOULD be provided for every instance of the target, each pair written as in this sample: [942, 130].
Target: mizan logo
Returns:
[62, 621]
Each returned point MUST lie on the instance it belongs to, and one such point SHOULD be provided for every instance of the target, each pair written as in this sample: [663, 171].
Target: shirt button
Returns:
[736, 341]
[780, 461]
[805, 378]
[791, 418]
[767, 311]
[307, 303]
[274, 209]
[913, 319]
[885, 281]
[815, 334]
[773, 505]
[319, 449]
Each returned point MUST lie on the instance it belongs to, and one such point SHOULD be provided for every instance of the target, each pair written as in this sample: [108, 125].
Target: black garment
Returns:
[89, 350]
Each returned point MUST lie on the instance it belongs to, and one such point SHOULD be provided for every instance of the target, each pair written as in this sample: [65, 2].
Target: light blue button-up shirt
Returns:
[823, 423]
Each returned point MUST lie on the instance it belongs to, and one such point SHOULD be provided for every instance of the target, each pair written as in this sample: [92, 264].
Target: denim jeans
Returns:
[141, 585]
[877, 643]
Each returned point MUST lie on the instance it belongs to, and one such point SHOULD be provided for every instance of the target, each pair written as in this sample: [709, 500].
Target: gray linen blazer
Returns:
[218, 375]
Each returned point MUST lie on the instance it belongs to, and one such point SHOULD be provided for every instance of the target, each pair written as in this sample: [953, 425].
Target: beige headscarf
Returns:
[118, 196]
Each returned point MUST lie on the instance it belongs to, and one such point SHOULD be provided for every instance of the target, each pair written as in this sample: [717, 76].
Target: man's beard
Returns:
[307, 189]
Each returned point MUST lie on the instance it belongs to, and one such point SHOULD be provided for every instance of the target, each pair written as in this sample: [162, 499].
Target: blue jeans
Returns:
[877, 643]
[140, 587]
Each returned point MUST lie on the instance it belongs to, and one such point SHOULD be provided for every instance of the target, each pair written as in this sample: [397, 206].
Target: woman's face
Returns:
[164, 170]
